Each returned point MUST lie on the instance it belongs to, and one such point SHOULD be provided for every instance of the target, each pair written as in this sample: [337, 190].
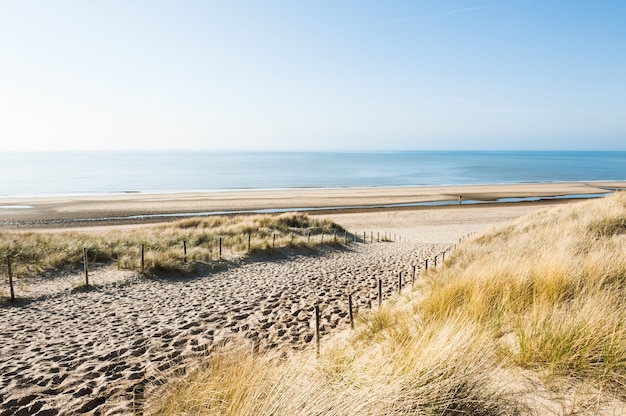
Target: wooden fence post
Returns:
[378, 236]
[435, 262]
[86, 266]
[10, 278]
[138, 399]
[185, 251]
[308, 237]
[220, 249]
[364, 237]
[350, 311]
[380, 293]
[400, 282]
[249, 238]
[143, 257]
[273, 240]
[413, 282]
[317, 330]
[426, 267]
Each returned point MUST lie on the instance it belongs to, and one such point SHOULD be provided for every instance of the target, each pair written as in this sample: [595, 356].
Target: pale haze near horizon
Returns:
[439, 75]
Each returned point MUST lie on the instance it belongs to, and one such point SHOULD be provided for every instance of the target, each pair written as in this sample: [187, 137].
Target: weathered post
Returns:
[413, 282]
[86, 266]
[435, 262]
[400, 282]
[273, 240]
[426, 265]
[138, 399]
[220, 248]
[143, 257]
[380, 293]
[249, 238]
[350, 311]
[308, 237]
[378, 236]
[317, 330]
[364, 237]
[185, 251]
[10, 279]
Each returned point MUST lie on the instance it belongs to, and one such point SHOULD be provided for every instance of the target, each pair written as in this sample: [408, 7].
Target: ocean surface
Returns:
[98, 173]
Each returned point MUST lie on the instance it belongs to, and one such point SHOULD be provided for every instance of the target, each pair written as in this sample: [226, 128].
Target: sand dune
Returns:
[67, 350]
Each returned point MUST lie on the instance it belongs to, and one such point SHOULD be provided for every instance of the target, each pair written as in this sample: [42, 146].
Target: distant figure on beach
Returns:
[460, 199]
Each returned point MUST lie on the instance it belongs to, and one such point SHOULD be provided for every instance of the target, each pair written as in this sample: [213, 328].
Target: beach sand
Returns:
[68, 350]
[116, 209]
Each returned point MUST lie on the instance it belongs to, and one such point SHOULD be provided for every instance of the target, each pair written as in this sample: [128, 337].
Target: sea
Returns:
[32, 174]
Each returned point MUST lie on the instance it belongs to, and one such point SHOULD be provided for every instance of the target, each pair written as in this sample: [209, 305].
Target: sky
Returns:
[312, 75]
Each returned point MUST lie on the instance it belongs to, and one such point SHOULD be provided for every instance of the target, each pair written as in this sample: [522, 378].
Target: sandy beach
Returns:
[67, 350]
[135, 208]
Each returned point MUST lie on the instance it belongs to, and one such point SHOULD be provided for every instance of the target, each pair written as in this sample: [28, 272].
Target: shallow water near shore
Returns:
[101, 173]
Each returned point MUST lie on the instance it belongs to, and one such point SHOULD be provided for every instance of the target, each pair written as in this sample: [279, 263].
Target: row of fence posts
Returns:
[142, 265]
[143, 251]
[385, 237]
[380, 293]
[351, 308]
[138, 390]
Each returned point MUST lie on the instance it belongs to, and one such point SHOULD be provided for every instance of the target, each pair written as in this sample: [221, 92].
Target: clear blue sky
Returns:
[313, 75]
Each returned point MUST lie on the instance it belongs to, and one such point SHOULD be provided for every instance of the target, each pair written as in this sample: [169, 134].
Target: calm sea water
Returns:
[77, 173]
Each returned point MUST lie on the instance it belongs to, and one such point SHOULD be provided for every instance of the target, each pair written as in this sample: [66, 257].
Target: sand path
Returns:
[78, 351]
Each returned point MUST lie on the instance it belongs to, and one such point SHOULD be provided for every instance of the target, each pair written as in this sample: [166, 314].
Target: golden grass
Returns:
[556, 282]
[544, 296]
[429, 372]
[35, 252]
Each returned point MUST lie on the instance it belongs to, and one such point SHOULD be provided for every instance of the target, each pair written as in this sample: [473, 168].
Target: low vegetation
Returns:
[36, 252]
[528, 318]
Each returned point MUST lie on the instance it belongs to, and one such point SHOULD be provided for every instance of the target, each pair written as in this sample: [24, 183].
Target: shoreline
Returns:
[137, 208]
[209, 191]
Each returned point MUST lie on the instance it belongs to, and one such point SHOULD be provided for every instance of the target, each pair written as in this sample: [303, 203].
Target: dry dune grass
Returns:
[556, 281]
[438, 370]
[35, 252]
[541, 299]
